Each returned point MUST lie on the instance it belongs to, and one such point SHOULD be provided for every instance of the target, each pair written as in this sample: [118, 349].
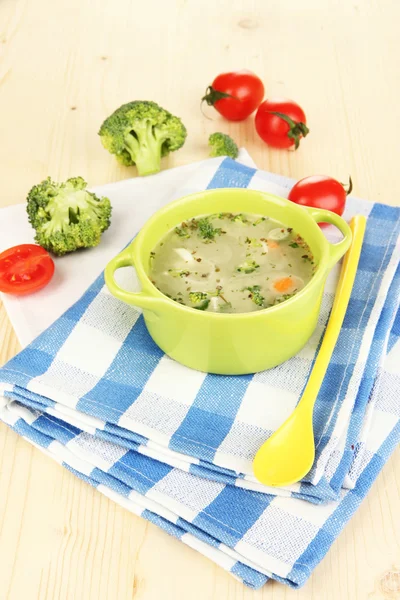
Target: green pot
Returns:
[230, 344]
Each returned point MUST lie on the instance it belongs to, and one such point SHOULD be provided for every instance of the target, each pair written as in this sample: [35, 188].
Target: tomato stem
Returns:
[296, 130]
[212, 96]
[350, 184]
[203, 113]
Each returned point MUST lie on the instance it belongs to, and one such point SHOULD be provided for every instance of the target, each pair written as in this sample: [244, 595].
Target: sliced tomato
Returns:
[25, 269]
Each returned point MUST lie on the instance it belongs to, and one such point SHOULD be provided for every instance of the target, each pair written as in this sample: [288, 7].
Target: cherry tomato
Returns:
[25, 269]
[281, 123]
[235, 95]
[321, 191]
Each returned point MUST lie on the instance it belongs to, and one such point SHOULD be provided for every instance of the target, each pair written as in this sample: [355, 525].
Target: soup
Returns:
[231, 263]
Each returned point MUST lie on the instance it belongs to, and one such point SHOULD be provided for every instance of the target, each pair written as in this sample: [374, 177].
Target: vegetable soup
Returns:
[231, 263]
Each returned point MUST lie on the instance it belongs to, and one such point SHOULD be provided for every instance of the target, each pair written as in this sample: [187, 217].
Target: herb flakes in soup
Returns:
[231, 263]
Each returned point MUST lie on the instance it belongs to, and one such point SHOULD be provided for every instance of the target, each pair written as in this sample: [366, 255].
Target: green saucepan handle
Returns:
[140, 299]
[326, 216]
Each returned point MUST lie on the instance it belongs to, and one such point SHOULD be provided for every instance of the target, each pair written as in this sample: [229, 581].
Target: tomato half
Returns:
[321, 191]
[25, 269]
[281, 123]
[235, 95]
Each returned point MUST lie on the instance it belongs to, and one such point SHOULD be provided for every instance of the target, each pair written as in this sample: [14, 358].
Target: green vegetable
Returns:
[199, 300]
[284, 297]
[249, 266]
[260, 220]
[66, 216]
[239, 218]
[177, 273]
[182, 232]
[222, 144]
[294, 245]
[253, 242]
[140, 133]
[206, 229]
[255, 295]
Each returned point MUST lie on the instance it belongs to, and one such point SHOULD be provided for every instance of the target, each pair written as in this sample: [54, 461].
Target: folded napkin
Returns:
[176, 445]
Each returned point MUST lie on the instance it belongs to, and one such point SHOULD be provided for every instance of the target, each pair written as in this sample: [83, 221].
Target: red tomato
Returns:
[235, 95]
[281, 123]
[321, 191]
[25, 269]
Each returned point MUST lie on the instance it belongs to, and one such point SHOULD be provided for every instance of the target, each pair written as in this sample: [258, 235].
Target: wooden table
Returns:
[64, 66]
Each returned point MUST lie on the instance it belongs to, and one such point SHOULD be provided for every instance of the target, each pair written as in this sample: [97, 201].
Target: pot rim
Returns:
[330, 253]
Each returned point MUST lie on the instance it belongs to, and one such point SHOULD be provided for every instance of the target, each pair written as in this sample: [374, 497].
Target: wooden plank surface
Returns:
[64, 65]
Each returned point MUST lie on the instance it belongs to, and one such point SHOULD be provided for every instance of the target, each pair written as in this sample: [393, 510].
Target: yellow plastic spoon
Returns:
[288, 455]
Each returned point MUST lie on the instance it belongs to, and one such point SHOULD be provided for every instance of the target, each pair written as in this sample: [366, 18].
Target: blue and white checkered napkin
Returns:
[175, 445]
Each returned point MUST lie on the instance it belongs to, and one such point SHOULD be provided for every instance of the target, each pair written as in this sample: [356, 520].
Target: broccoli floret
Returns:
[249, 266]
[255, 295]
[199, 300]
[140, 133]
[222, 144]
[66, 216]
[206, 229]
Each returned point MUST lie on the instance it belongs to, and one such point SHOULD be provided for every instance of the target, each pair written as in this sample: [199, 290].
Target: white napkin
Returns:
[30, 315]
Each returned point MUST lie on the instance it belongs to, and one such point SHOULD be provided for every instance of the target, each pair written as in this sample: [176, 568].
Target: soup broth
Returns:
[231, 263]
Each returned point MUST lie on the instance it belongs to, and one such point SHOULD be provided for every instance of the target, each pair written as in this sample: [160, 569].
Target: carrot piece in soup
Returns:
[284, 284]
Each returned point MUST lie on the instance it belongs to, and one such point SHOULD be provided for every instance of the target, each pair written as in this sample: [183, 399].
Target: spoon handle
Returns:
[288, 454]
[340, 303]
